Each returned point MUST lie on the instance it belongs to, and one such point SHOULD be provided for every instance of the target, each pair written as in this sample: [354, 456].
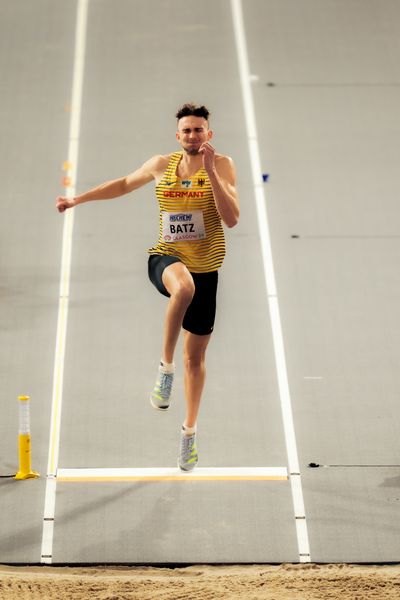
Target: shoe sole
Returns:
[162, 408]
[187, 470]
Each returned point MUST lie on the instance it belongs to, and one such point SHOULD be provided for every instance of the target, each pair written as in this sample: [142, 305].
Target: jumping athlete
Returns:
[196, 192]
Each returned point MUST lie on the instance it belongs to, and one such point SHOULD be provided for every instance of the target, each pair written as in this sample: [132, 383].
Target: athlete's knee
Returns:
[183, 291]
[194, 361]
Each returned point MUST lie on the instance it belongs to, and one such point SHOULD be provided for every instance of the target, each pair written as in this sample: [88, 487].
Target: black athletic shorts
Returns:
[200, 315]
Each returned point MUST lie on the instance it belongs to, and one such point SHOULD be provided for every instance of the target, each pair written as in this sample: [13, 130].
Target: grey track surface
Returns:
[328, 133]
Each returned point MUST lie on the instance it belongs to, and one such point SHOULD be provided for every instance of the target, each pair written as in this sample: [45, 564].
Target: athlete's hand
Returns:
[208, 153]
[63, 203]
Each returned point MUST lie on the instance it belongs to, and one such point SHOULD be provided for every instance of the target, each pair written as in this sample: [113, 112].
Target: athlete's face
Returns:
[192, 133]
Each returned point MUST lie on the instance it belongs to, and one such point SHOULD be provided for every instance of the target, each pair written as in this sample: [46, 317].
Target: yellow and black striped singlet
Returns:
[190, 226]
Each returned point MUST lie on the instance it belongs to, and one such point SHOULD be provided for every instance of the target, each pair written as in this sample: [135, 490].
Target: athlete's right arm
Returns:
[116, 187]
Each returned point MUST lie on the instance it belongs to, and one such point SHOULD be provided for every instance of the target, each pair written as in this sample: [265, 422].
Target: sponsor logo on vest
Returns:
[186, 183]
[181, 217]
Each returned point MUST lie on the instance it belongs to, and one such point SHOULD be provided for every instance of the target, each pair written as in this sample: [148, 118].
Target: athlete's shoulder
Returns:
[162, 160]
[224, 161]
[158, 160]
[225, 165]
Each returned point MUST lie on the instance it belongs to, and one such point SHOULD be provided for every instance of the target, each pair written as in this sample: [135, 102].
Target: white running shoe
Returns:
[160, 397]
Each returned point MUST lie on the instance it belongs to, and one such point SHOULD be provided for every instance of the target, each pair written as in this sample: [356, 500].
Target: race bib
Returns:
[183, 226]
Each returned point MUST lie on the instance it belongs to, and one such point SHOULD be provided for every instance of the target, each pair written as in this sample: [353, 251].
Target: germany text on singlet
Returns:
[190, 226]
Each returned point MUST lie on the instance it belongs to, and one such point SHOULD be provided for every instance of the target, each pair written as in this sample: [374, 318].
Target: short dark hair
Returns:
[190, 109]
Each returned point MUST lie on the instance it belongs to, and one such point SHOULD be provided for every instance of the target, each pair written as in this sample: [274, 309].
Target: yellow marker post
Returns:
[24, 441]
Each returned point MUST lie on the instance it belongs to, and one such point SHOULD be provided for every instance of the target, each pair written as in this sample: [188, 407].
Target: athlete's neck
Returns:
[189, 164]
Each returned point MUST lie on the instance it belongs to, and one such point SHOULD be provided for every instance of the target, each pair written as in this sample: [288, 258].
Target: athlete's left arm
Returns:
[222, 175]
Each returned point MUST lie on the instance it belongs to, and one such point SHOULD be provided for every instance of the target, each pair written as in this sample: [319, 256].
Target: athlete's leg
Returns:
[179, 284]
[172, 279]
[194, 353]
[195, 374]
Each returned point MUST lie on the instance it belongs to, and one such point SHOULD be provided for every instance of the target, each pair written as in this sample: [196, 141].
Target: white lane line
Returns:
[175, 474]
[269, 272]
[58, 374]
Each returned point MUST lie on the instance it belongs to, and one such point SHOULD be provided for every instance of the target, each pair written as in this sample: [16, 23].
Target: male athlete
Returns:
[196, 191]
